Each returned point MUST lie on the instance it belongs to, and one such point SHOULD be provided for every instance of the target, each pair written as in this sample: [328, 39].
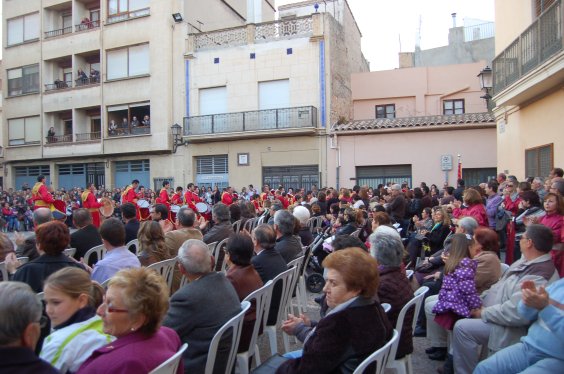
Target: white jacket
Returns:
[66, 349]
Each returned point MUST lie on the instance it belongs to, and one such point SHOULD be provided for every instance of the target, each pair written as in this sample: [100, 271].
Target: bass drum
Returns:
[175, 208]
[202, 207]
[107, 208]
[141, 203]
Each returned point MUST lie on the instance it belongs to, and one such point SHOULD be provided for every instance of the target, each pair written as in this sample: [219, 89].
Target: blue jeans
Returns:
[520, 358]
[294, 354]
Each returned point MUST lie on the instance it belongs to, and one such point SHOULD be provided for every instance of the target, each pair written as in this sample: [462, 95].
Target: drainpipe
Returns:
[334, 145]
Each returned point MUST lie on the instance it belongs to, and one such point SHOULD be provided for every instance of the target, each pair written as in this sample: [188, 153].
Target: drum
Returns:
[141, 203]
[107, 208]
[175, 208]
[60, 205]
[202, 207]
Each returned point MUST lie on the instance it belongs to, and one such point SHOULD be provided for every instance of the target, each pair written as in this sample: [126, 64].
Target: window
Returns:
[539, 161]
[382, 174]
[23, 29]
[386, 111]
[453, 107]
[129, 119]
[24, 130]
[121, 10]
[128, 62]
[542, 5]
[23, 80]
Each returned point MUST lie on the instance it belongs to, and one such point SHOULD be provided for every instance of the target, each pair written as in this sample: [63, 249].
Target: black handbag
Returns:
[270, 365]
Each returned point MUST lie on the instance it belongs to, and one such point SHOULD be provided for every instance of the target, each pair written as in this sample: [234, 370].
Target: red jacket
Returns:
[129, 195]
[477, 211]
[226, 198]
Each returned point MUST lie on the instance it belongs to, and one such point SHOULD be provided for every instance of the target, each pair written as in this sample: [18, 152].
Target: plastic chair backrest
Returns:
[218, 255]
[4, 271]
[356, 233]
[134, 242]
[296, 264]
[285, 278]
[236, 226]
[261, 297]
[381, 357]
[170, 366]
[409, 273]
[99, 250]
[70, 252]
[312, 224]
[250, 224]
[235, 325]
[165, 269]
[387, 307]
[23, 260]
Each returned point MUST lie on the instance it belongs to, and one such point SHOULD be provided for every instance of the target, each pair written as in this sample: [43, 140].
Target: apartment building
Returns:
[411, 124]
[260, 98]
[92, 87]
[529, 86]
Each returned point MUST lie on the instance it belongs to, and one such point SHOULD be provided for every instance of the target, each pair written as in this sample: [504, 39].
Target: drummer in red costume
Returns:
[227, 196]
[163, 195]
[130, 196]
[40, 194]
[144, 213]
[176, 200]
[89, 202]
[189, 197]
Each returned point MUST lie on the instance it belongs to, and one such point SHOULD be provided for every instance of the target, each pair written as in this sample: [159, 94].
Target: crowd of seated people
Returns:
[478, 314]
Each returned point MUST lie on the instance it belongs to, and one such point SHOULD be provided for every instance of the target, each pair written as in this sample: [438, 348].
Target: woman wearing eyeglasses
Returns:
[71, 299]
[133, 309]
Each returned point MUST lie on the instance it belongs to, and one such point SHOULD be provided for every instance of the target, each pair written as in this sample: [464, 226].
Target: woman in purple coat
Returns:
[133, 309]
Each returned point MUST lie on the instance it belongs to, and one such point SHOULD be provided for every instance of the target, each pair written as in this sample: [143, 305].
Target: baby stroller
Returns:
[314, 271]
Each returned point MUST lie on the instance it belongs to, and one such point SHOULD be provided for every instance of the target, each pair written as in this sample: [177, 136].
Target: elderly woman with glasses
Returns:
[133, 309]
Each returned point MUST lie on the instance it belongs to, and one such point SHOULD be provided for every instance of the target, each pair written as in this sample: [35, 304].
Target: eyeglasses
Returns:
[108, 308]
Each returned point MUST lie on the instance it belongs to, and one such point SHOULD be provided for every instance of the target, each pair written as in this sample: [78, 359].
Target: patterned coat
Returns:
[458, 293]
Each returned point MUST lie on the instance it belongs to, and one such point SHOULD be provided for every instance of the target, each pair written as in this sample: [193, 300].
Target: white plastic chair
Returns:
[236, 226]
[218, 256]
[381, 357]
[4, 270]
[134, 242]
[404, 365]
[70, 252]
[387, 307]
[170, 366]
[165, 269]
[40, 296]
[312, 224]
[409, 273]
[235, 325]
[262, 298]
[298, 264]
[301, 291]
[99, 250]
[285, 280]
[356, 233]
[250, 224]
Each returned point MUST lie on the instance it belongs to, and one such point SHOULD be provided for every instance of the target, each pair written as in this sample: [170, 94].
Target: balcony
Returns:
[260, 123]
[58, 32]
[540, 45]
[119, 17]
[93, 79]
[129, 130]
[58, 85]
[87, 25]
[262, 32]
[58, 139]
[89, 136]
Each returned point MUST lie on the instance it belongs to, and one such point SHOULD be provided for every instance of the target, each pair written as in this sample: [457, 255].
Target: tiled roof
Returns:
[417, 122]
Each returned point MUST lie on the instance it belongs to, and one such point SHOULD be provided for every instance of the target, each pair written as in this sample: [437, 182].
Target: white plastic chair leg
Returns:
[286, 340]
[242, 363]
[271, 332]
[257, 355]
[303, 292]
[397, 365]
[409, 364]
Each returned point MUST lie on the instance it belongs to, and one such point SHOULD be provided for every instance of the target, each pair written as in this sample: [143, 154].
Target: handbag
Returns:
[270, 365]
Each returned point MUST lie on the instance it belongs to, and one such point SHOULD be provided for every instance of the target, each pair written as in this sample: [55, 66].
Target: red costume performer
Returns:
[227, 198]
[144, 213]
[90, 202]
[130, 196]
[41, 196]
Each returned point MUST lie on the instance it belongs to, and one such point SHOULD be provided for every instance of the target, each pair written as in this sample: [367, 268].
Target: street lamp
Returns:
[177, 140]
[486, 84]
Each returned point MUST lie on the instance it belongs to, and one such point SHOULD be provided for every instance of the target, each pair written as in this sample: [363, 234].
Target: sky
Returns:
[384, 23]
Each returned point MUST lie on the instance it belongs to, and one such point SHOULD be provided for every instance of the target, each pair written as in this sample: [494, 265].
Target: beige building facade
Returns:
[411, 124]
[113, 123]
[529, 86]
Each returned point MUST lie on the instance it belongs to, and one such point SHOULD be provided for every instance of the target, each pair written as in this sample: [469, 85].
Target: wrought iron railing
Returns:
[259, 120]
[87, 25]
[293, 28]
[86, 81]
[53, 33]
[58, 85]
[481, 31]
[88, 136]
[128, 15]
[540, 41]
[129, 130]
[58, 139]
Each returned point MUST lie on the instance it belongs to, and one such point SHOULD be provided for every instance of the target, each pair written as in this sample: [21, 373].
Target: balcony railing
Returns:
[58, 85]
[58, 139]
[86, 81]
[88, 136]
[534, 46]
[284, 29]
[87, 25]
[259, 120]
[53, 33]
[129, 130]
[128, 15]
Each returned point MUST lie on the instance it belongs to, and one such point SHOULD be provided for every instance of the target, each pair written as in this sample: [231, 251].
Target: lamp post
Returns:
[486, 84]
[177, 140]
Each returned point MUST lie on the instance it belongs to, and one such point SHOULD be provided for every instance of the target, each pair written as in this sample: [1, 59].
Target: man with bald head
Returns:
[199, 309]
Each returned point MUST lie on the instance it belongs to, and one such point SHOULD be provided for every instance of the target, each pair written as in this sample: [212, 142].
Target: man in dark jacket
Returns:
[87, 235]
[129, 215]
[459, 192]
[268, 263]
[288, 245]
[222, 227]
[397, 204]
[200, 308]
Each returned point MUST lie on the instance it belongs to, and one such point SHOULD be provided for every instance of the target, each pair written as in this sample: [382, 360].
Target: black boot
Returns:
[448, 367]
[439, 354]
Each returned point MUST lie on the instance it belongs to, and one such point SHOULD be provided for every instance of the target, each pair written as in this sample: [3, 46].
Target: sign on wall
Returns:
[446, 162]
